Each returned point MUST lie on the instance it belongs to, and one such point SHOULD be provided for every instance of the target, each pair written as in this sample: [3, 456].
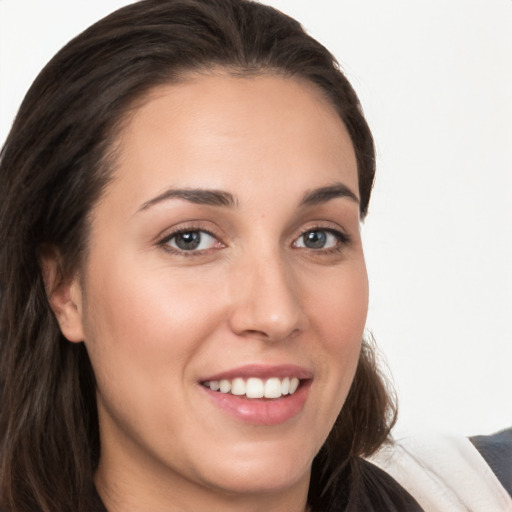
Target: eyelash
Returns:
[343, 239]
[188, 229]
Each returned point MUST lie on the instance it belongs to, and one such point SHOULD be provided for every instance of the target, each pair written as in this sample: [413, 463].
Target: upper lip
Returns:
[262, 372]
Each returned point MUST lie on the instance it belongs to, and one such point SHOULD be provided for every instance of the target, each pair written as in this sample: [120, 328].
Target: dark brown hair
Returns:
[54, 167]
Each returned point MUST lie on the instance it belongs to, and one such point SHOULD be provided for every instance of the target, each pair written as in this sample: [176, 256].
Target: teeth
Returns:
[225, 386]
[285, 386]
[294, 384]
[238, 387]
[256, 388]
[273, 388]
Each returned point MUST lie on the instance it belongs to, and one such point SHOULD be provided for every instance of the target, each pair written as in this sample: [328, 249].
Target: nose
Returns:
[266, 300]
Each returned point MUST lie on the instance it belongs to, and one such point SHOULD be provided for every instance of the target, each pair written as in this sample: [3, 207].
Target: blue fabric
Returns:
[496, 449]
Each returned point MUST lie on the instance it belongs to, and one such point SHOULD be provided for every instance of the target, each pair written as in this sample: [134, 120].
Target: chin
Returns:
[262, 473]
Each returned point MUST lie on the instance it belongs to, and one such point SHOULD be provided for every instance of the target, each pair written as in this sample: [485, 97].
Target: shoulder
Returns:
[380, 491]
[447, 472]
[496, 449]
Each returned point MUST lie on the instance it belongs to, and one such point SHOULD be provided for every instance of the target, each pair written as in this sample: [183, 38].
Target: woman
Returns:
[183, 284]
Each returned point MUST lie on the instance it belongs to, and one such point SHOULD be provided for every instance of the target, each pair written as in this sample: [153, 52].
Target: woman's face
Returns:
[225, 252]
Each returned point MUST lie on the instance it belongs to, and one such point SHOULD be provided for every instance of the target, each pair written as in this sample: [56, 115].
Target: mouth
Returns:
[260, 395]
[255, 387]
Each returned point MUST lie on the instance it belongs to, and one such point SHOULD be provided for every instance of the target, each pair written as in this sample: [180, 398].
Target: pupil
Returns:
[189, 240]
[315, 239]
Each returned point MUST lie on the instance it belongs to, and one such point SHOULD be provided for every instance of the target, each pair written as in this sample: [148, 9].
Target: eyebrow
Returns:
[194, 195]
[324, 194]
[225, 199]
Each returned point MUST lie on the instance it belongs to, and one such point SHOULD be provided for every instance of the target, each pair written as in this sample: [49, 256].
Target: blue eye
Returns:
[321, 239]
[192, 240]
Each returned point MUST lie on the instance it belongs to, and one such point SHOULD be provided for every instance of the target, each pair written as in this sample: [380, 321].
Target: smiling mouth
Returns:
[255, 387]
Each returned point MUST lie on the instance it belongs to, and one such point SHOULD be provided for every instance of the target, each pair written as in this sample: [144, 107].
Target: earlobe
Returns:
[64, 295]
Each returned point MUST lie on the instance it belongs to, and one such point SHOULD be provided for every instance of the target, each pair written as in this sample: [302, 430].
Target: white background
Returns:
[435, 79]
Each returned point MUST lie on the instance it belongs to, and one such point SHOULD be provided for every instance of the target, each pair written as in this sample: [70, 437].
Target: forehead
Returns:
[223, 131]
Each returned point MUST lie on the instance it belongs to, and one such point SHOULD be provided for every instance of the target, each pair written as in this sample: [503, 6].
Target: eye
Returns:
[190, 240]
[321, 239]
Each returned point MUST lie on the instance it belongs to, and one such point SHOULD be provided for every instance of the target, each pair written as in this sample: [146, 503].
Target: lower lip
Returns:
[261, 411]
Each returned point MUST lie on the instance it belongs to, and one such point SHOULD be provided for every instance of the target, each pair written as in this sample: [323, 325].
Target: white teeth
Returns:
[285, 386]
[225, 386]
[256, 388]
[294, 384]
[273, 388]
[238, 387]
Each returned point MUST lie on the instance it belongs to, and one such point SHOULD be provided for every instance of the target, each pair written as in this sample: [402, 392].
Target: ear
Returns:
[64, 294]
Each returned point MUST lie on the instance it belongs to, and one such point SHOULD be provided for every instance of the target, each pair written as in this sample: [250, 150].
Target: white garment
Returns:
[444, 473]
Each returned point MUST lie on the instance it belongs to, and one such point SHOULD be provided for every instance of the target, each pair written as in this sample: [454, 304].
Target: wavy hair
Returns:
[54, 166]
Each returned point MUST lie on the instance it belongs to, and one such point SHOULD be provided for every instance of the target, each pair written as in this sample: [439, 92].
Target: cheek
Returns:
[339, 305]
[339, 310]
[143, 334]
[142, 325]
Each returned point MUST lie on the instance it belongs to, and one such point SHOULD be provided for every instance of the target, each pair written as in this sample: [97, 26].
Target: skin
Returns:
[156, 320]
